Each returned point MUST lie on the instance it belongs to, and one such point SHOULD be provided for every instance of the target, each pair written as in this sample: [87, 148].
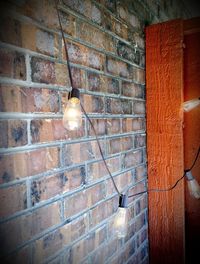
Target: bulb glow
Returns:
[121, 222]
[189, 105]
[193, 186]
[72, 118]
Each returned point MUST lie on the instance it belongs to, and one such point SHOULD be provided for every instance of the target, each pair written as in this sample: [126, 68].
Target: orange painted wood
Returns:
[164, 88]
[192, 135]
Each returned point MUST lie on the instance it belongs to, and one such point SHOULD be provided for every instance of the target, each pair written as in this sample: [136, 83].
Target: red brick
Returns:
[115, 146]
[81, 152]
[121, 181]
[80, 54]
[58, 239]
[12, 64]
[15, 133]
[48, 187]
[139, 187]
[138, 124]
[132, 158]
[117, 106]
[117, 67]
[139, 107]
[98, 170]
[139, 75]
[46, 43]
[103, 211]
[126, 143]
[140, 173]
[99, 126]
[96, 82]
[133, 124]
[25, 164]
[140, 222]
[79, 78]
[132, 90]
[93, 104]
[21, 229]
[19, 99]
[12, 200]
[113, 126]
[96, 238]
[127, 125]
[140, 140]
[79, 251]
[10, 30]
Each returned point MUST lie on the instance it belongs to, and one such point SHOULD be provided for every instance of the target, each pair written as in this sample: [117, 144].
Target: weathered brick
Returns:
[93, 104]
[45, 71]
[117, 106]
[128, 53]
[140, 140]
[113, 126]
[23, 228]
[132, 158]
[12, 200]
[25, 100]
[81, 152]
[48, 187]
[139, 107]
[96, 37]
[99, 126]
[58, 239]
[132, 90]
[96, 82]
[80, 54]
[78, 77]
[103, 211]
[98, 170]
[24, 164]
[118, 68]
[112, 86]
[15, 133]
[139, 75]
[12, 64]
[45, 43]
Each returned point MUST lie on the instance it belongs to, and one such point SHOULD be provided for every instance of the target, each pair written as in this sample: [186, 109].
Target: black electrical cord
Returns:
[93, 128]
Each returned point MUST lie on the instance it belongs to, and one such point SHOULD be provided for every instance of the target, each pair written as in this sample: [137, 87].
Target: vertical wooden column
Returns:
[164, 80]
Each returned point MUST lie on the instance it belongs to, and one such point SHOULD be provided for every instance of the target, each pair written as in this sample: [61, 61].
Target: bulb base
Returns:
[74, 93]
[123, 201]
[188, 175]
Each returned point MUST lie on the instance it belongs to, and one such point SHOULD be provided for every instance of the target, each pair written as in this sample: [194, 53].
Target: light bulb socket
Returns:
[123, 201]
[188, 175]
[74, 93]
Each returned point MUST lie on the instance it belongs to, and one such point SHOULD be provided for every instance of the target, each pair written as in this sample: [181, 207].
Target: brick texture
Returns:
[57, 201]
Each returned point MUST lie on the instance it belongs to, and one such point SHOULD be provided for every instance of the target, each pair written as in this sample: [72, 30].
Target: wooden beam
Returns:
[164, 84]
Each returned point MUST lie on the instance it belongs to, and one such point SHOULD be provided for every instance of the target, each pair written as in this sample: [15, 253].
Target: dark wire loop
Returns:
[98, 143]
[173, 186]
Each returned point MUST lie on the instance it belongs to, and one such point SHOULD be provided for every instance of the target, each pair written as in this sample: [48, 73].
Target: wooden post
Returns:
[164, 83]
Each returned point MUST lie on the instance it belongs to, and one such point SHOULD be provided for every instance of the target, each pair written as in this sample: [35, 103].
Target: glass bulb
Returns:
[72, 118]
[121, 222]
[189, 105]
[193, 186]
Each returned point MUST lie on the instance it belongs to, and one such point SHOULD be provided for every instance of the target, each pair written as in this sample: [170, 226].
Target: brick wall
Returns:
[57, 202]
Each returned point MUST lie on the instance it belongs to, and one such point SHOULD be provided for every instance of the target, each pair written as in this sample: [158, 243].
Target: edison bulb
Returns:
[193, 186]
[189, 105]
[72, 118]
[121, 222]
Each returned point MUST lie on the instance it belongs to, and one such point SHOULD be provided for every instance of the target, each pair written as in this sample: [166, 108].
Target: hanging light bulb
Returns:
[72, 118]
[189, 105]
[121, 218]
[193, 186]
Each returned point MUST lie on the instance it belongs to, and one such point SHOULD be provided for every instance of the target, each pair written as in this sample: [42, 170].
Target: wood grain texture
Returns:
[192, 135]
[164, 80]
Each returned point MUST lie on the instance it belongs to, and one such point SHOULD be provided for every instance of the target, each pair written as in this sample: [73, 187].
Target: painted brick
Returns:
[15, 133]
[139, 107]
[12, 200]
[47, 187]
[81, 152]
[113, 126]
[12, 64]
[132, 90]
[80, 54]
[56, 240]
[140, 140]
[28, 100]
[93, 104]
[98, 170]
[99, 126]
[132, 158]
[118, 68]
[24, 164]
[103, 211]
[23, 228]
[117, 106]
